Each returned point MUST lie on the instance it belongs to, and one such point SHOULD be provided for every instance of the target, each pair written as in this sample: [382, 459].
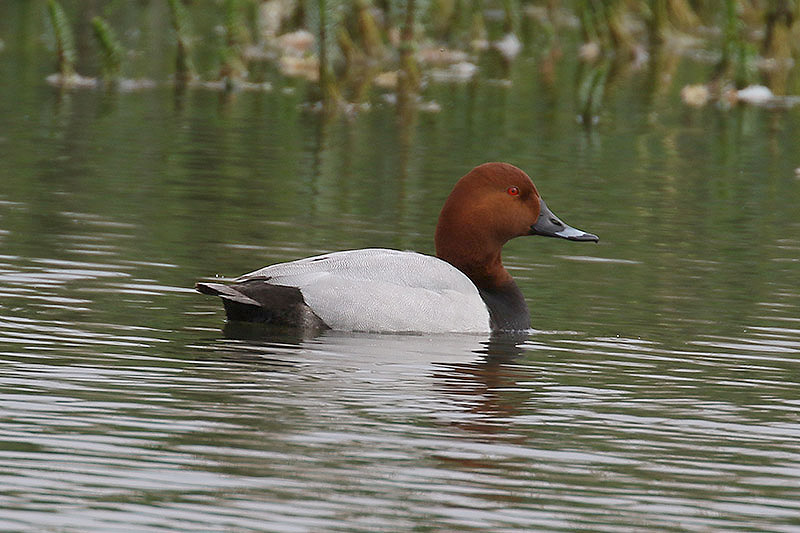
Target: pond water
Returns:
[658, 390]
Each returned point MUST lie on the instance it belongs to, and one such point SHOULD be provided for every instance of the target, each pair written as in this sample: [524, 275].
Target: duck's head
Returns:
[492, 204]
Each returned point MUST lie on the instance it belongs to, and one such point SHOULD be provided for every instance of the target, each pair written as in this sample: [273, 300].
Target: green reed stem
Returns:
[111, 51]
[331, 96]
[184, 70]
[65, 41]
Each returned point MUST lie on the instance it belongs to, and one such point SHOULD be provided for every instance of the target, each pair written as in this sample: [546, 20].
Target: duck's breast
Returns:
[383, 290]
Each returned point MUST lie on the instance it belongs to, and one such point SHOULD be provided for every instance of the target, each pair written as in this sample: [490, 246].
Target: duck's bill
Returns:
[549, 225]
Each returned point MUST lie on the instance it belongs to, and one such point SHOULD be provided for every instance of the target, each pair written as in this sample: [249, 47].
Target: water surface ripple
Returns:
[108, 426]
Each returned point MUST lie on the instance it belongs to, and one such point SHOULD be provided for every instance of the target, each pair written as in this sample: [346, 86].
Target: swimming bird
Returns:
[463, 289]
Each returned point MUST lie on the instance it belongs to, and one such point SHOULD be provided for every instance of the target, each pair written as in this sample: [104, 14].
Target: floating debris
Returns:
[386, 80]
[296, 44]
[429, 107]
[142, 84]
[696, 95]
[259, 53]
[300, 67]
[441, 56]
[228, 85]
[215, 85]
[509, 46]
[771, 64]
[639, 56]
[458, 72]
[479, 44]
[271, 16]
[71, 81]
[589, 52]
[251, 86]
[758, 95]
[754, 95]
[500, 82]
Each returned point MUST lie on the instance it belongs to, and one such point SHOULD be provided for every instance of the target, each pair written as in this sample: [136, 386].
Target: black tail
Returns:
[258, 301]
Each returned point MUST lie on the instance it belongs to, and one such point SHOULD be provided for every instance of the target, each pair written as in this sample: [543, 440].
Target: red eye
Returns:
[513, 191]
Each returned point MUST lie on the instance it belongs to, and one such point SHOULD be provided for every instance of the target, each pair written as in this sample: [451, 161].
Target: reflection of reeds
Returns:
[409, 78]
[408, 74]
[368, 30]
[331, 98]
[65, 42]
[591, 89]
[778, 22]
[738, 56]
[778, 42]
[232, 66]
[184, 71]
[606, 24]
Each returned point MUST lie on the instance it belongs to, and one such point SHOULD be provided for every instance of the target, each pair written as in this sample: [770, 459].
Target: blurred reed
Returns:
[347, 50]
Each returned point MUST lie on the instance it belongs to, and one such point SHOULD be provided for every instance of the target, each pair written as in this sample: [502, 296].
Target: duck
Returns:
[464, 288]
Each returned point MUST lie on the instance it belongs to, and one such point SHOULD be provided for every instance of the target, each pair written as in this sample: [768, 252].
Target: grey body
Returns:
[359, 290]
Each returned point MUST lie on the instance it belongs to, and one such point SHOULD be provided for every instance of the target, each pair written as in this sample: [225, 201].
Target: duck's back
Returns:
[381, 290]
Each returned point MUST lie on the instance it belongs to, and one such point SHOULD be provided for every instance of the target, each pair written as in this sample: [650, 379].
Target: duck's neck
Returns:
[507, 308]
[485, 270]
[503, 299]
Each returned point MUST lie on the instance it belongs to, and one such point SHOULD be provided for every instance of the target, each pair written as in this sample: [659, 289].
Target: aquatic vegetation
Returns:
[66, 54]
[331, 97]
[408, 77]
[110, 48]
[65, 41]
[184, 68]
[236, 36]
[591, 88]
[351, 51]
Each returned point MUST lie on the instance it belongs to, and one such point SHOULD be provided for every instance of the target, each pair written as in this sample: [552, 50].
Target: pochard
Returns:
[465, 288]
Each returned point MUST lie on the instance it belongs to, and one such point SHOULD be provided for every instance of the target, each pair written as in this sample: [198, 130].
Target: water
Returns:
[657, 392]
